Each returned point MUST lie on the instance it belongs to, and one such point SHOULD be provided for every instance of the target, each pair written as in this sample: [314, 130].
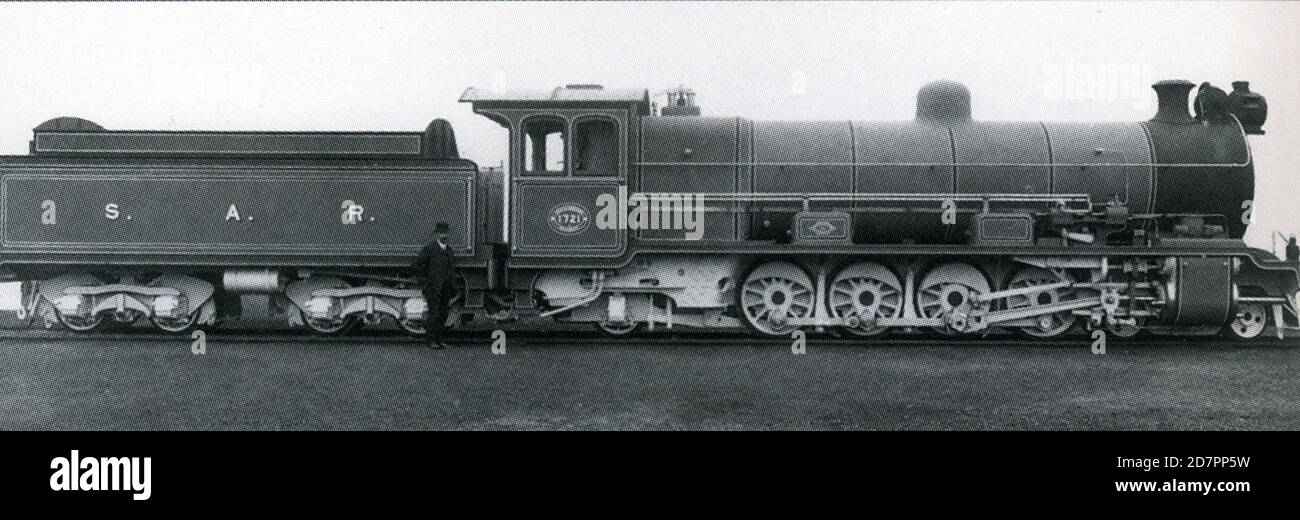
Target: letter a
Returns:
[605, 218]
[59, 480]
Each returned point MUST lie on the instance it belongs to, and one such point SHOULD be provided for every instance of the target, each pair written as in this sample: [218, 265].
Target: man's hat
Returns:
[441, 227]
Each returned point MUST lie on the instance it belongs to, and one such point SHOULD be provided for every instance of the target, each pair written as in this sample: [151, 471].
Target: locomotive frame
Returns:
[943, 224]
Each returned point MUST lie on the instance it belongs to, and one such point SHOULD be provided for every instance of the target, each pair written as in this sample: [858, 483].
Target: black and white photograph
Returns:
[1047, 217]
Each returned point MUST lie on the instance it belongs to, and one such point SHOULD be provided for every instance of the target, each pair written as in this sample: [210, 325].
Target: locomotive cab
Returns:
[568, 148]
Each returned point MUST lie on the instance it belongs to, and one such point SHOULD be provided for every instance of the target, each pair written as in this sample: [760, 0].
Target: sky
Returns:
[396, 66]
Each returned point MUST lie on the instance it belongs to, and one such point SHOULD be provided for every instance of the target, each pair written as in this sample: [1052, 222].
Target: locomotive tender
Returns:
[627, 216]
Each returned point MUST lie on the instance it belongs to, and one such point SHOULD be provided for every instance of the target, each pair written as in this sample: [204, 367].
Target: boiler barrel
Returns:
[1168, 165]
[1108, 161]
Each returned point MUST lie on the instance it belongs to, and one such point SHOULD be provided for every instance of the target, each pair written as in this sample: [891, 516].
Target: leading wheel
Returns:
[1250, 322]
[773, 293]
[619, 329]
[1125, 332]
[1046, 325]
[867, 291]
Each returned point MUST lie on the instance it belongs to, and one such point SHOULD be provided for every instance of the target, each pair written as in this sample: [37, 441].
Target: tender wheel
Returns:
[455, 307]
[773, 293]
[179, 325]
[1251, 320]
[867, 291]
[336, 327]
[619, 330]
[945, 292]
[188, 322]
[82, 325]
[413, 327]
[1047, 325]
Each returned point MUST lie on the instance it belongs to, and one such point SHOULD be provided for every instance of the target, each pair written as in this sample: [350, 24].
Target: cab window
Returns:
[544, 150]
[595, 147]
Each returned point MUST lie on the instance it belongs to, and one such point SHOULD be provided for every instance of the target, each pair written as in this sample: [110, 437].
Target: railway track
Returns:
[571, 338]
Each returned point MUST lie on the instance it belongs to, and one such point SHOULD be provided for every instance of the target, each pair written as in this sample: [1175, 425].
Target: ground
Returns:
[252, 381]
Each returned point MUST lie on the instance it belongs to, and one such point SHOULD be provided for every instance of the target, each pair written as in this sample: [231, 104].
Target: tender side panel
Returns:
[245, 212]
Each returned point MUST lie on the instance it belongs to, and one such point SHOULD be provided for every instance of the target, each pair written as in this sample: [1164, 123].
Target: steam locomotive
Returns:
[629, 216]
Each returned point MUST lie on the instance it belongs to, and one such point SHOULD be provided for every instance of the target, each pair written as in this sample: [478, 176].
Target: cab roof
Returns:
[565, 94]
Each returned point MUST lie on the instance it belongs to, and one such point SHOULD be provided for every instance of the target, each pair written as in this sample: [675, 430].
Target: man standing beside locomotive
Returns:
[435, 268]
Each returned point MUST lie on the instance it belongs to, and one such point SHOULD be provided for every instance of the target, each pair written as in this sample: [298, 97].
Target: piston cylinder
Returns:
[253, 281]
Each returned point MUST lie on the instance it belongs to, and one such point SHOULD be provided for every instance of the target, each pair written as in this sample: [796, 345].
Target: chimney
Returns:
[1171, 96]
[1250, 108]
